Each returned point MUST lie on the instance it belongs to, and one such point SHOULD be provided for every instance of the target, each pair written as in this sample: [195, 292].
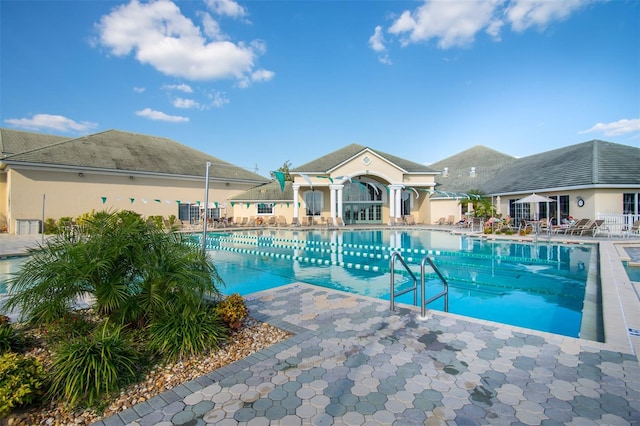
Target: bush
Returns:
[86, 368]
[10, 339]
[50, 226]
[188, 333]
[232, 310]
[69, 326]
[21, 381]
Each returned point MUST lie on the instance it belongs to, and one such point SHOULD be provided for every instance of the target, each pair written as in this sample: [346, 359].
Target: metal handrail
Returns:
[392, 293]
[423, 303]
[445, 292]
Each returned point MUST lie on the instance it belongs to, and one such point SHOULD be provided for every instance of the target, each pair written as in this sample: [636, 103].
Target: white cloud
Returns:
[376, 41]
[219, 99]
[212, 28]
[51, 122]
[457, 23]
[523, 14]
[157, 34]
[180, 87]
[262, 75]
[226, 8]
[185, 103]
[161, 116]
[139, 89]
[617, 128]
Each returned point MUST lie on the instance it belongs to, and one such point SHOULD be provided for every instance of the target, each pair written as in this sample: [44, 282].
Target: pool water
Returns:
[538, 286]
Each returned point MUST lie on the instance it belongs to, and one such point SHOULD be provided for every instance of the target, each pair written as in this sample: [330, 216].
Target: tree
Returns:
[285, 170]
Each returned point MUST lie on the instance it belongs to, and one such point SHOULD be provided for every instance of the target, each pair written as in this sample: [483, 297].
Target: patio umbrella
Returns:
[535, 198]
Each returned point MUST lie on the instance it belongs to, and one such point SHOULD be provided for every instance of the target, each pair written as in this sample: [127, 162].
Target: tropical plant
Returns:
[190, 332]
[87, 368]
[232, 310]
[133, 271]
[10, 339]
[21, 381]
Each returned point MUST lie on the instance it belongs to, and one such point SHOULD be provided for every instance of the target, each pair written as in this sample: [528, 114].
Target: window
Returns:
[631, 203]
[189, 213]
[313, 202]
[265, 208]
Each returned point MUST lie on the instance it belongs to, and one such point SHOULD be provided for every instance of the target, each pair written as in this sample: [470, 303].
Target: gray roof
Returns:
[487, 163]
[115, 150]
[592, 163]
[330, 161]
[268, 192]
[17, 141]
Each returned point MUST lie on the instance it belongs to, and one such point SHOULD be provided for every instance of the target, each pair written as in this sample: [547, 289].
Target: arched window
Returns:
[361, 192]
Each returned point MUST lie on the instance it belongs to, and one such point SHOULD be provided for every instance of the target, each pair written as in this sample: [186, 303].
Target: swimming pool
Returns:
[538, 286]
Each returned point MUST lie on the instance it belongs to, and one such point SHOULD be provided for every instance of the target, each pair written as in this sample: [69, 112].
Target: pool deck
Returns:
[352, 361]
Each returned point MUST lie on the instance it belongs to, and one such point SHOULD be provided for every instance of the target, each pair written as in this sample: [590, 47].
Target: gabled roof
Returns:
[590, 164]
[115, 150]
[332, 160]
[268, 192]
[17, 141]
[487, 162]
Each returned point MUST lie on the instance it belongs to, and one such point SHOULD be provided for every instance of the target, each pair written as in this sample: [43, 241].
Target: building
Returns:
[54, 177]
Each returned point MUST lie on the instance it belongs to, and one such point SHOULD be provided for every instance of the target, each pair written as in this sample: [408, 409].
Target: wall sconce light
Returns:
[81, 174]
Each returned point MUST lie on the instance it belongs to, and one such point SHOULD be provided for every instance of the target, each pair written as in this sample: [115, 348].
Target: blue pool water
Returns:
[539, 286]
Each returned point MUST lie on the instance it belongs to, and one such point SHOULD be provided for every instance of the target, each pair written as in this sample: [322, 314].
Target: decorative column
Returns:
[398, 203]
[333, 202]
[296, 209]
[392, 203]
[340, 188]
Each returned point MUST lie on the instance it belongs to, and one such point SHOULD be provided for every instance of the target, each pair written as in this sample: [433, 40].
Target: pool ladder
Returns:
[423, 302]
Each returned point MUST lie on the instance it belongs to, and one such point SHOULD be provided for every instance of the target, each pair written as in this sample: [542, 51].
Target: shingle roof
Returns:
[16, 141]
[130, 152]
[487, 163]
[589, 163]
[328, 162]
[268, 192]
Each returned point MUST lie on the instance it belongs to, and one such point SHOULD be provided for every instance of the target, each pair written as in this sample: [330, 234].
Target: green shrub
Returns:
[21, 381]
[175, 335]
[87, 368]
[232, 310]
[70, 325]
[50, 226]
[156, 220]
[10, 339]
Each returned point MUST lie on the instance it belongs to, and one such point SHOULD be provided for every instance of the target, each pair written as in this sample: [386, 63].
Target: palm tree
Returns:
[133, 271]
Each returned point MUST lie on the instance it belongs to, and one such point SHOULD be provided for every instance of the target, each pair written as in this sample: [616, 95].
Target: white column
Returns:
[296, 209]
[392, 203]
[398, 203]
[333, 202]
[340, 188]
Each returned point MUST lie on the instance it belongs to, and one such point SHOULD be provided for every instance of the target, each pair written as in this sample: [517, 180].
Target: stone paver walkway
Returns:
[353, 362]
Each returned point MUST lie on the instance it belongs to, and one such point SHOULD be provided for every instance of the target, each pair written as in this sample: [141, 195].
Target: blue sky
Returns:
[259, 83]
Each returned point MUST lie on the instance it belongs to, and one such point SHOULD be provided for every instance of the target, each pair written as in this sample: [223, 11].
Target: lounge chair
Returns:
[271, 221]
[408, 220]
[450, 220]
[339, 221]
[571, 227]
[441, 221]
[577, 230]
[633, 230]
[281, 221]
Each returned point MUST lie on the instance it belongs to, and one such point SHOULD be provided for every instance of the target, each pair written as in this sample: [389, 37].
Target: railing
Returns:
[618, 224]
[414, 288]
[392, 293]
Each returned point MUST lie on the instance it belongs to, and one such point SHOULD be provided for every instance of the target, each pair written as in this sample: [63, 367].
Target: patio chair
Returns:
[601, 228]
[450, 220]
[295, 221]
[281, 221]
[408, 220]
[271, 221]
[339, 221]
[633, 230]
[577, 230]
[441, 221]
[571, 227]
